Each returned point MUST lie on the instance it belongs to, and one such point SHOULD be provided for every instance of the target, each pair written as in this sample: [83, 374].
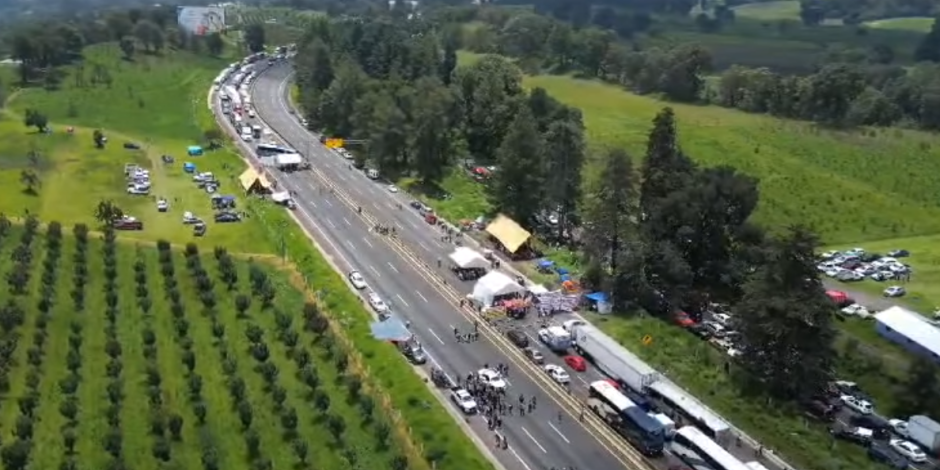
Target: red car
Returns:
[682, 319]
[576, 362]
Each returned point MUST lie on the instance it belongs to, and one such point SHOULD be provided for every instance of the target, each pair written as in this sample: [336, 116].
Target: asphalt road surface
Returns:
[326, 208]
[405, 272]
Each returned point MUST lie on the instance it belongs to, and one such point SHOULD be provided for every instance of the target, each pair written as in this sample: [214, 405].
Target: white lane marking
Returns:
[323, 235]
[438, 338]
[376, 271]
[559, 433]
[526, 431]
[312, 203]
[402, 299]
[392, 266]
[347, 221]
[422, 297]
[351, 244]
[422, 245]
[583, 381]
[519, 459]
[331, 223]
[399, 226]
[368, 242]
[327, 201]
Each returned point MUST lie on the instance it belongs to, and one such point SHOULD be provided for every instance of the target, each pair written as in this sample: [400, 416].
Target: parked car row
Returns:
[857, 265]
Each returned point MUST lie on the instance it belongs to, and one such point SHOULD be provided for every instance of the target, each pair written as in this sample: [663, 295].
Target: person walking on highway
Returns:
[560, 417]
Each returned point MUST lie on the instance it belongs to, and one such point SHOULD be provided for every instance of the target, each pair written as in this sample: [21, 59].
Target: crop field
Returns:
[767, 11]
[920, 24]
[168, 358]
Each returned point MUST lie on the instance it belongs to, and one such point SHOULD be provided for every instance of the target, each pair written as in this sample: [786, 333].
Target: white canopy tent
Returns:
[495, 284]
[468, 258]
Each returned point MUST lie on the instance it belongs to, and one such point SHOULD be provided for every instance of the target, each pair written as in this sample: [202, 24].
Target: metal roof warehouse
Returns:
[909, 330]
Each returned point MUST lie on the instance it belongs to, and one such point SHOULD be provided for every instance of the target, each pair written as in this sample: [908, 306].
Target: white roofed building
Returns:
[909, 330]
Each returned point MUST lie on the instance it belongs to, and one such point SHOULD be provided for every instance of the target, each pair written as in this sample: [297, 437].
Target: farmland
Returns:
[767, 11]
[920, 24]
[159, 102]
[160, 356]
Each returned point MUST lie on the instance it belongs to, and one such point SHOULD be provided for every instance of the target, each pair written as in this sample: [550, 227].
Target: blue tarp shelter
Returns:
[546, 264]
[596, 297]
[561, 271]
[189, 167]
[390, 329]
[194, 151]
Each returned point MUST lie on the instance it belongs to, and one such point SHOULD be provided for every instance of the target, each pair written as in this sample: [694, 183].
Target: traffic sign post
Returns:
[647, 340]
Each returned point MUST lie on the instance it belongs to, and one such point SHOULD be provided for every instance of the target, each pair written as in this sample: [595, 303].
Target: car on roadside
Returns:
[557, 373]
[895, 291]
[899, 427]
[860, 436]
[464, 400]
[127, 223]
[377, 303]
[356, 279]
[884, 454]
[860, 406]
[518, 337]
[534, 355]
[576, 363]
[392, 188]
[908, 450]
[227, 217]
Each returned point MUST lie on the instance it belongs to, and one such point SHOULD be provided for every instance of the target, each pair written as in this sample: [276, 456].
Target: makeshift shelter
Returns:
[494, 286]
[194, 151]
[467, 258]
[508, 233]
[468, 263]
[189, 167]
[253, 182]
[390, 329]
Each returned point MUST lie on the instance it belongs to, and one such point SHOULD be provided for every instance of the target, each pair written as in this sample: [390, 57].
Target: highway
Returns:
[427, 297]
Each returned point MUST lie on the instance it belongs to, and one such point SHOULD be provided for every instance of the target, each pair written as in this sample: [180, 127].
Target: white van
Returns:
[372, 174]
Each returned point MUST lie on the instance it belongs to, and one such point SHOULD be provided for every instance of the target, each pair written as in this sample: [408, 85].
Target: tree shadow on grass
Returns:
[428, 189]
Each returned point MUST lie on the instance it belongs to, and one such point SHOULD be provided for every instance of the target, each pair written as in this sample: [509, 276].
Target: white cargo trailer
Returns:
[612, 358]
[925, 432]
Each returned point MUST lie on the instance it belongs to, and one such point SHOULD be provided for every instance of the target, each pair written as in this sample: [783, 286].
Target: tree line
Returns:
[854, 87]
[42, 47]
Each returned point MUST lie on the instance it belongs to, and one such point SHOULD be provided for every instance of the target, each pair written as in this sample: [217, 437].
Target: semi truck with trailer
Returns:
[612, 358]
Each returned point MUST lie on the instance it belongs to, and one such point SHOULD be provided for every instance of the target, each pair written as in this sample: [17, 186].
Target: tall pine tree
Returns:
[785, 321]
[517, 186]
[666, 169]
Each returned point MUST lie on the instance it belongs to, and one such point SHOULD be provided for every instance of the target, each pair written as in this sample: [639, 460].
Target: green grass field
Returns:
[75, 176]
[920, 24]
[153, 343]
[769, 11]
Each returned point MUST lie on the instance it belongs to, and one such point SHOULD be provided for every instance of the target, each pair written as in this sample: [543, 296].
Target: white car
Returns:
[251, 113]
[857, 404]
[894, 291]
[723, 319]
[464, 401]
[491, 378]
[557, 373]
[246, 137]
[909, 450]
[899, 426]
[856, 310]
[392, 188]
[357, 280]
[571, 324]
[377, 303]
[138, 190]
